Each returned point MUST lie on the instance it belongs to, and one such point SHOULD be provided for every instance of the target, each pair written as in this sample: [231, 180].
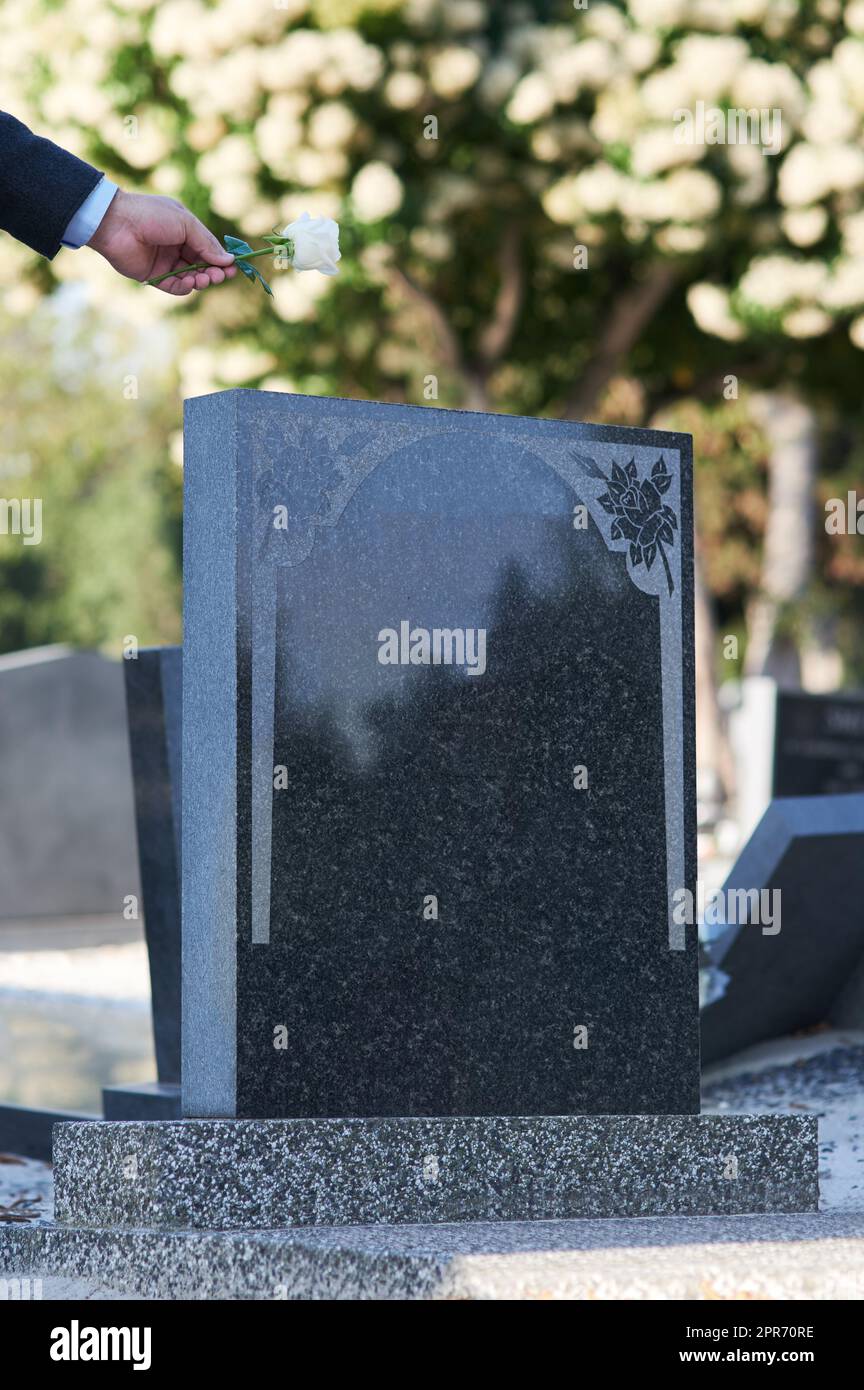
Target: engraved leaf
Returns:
[589, 466]
[661, 476]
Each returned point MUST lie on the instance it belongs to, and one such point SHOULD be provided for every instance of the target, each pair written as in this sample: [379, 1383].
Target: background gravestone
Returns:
[791, 743]
[154, 693]
[818, 744]
[67, 838]
[810, 849]
[154, 706]
[396, 900]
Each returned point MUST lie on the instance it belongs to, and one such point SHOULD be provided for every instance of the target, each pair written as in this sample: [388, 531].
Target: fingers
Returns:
[178, 284]
[181, 284]
[201, 244]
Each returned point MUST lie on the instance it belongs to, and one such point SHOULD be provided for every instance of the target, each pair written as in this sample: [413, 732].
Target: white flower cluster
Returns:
[286, 94]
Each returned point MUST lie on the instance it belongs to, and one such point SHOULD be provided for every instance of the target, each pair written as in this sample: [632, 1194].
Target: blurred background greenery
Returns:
[521, 233]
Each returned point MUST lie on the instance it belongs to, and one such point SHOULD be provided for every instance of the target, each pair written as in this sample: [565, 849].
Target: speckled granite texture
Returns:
[395, 899]
[816, 1255]
[224, 1175]
[819, 1255]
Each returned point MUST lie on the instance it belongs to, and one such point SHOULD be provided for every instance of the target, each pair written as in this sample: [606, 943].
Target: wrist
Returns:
[113, 215]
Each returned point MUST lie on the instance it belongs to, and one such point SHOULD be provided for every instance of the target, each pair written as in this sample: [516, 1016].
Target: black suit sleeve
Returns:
[41, 187]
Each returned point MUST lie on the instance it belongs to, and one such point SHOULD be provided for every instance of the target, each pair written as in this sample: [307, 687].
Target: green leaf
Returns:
[235, 245]
[256, 274]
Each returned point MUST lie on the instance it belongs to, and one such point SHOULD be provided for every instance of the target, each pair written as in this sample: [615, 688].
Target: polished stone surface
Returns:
[807, 854]
[253, 1174]
[154, 682]
[400, 641]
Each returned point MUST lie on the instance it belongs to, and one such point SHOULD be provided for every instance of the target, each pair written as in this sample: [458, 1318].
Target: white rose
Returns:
[316, 243]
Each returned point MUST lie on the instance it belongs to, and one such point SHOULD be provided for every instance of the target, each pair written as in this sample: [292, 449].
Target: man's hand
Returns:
[142, 236]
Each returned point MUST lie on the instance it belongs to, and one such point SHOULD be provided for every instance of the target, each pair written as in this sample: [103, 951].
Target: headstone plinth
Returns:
[270, 1174]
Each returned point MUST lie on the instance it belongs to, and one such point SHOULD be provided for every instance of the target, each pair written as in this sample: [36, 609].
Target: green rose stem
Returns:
[205, 265]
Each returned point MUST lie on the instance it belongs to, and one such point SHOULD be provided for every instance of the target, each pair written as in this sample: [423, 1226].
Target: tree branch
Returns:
[451, 353]
[498, 332]
[630, 313]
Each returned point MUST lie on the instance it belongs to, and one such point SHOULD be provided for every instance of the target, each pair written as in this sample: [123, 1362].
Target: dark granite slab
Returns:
[818, 744]
[148, 1100]
[26, 1130]
[400, 644]
[810, 850]
[154, 708]
[248, 1174]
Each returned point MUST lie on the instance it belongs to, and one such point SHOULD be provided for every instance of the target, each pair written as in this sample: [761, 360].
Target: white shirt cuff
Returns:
[89, 215]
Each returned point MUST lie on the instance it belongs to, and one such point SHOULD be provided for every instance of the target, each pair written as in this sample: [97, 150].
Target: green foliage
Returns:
[109, 560]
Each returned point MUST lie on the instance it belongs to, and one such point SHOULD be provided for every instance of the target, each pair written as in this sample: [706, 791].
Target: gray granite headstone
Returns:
[410, 637]
[67, 834]
[805, 966]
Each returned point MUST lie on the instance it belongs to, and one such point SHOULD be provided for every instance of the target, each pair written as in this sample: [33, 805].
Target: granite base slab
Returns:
[265, 1174]
[818, 1255]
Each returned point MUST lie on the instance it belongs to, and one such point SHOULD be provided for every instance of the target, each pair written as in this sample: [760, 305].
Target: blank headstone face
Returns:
[437, 763]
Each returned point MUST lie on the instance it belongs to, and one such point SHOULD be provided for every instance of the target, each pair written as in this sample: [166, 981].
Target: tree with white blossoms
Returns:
[522, 228]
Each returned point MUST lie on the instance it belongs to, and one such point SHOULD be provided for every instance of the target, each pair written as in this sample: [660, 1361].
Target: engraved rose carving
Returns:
[639, 513]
